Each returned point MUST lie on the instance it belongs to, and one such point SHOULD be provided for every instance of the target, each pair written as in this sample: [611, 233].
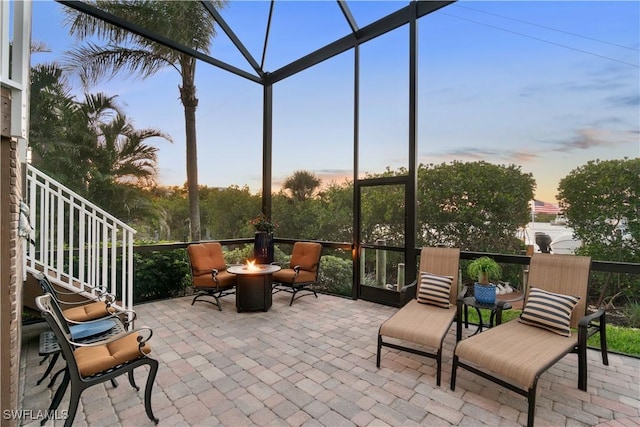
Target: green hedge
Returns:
[160, 275]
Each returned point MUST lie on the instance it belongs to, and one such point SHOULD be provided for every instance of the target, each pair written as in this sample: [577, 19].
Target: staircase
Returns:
[75, 243]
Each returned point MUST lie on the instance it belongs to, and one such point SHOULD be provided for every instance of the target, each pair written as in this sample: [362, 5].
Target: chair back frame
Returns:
[561, 274]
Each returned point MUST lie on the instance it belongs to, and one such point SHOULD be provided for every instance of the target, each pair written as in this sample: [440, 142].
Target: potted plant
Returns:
[484, 269]
[262, 223]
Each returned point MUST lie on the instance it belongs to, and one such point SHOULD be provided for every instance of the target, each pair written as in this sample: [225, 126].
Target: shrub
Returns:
[239, 255]
[336, 275]
[632, 314]
[160, 274]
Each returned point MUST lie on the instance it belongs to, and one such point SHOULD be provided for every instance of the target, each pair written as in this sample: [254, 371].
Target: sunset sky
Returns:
[545, 85]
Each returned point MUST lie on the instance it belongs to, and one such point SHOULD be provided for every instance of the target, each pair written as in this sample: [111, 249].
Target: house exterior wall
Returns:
[10, 267]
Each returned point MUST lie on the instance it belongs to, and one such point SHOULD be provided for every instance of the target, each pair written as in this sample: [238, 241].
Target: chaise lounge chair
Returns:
[515, 354]
[426, 319]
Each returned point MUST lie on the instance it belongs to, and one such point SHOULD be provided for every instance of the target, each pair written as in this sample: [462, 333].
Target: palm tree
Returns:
[186, 22]
[91, 146]
[302, 185]
[63, 131]
[121, 156]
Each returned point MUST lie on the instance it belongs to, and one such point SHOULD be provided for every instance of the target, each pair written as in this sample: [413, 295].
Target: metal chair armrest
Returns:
[408, 292]
[585, 321]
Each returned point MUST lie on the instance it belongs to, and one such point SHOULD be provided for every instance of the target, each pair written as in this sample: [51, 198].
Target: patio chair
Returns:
[516, 353]
[95, 363]
[83, 332]
[426, 319]
[303, 271]
[209, 272]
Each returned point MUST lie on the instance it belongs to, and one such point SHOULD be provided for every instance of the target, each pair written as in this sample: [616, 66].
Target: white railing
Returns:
[77, 244]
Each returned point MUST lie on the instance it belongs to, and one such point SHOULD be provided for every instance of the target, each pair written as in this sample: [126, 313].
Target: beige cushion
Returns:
[86, 312]
[549, 310]
[92, 360]
[515, 351]
[434, 289]
[419, 323]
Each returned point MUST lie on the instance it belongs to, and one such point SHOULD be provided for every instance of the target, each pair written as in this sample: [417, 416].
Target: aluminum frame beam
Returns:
[384, 25]
[348, 15]
[136, 29]
[234, 39]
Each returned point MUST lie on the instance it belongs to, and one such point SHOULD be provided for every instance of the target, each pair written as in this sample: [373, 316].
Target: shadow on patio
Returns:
[313, 364]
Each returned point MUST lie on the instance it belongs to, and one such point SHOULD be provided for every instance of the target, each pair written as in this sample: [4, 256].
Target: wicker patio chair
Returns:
[209, 272]
[89, 364]
[423, 323]
[303, 271]
[516, 353]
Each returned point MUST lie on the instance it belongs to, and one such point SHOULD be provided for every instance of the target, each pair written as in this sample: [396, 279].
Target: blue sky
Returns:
[545, 85]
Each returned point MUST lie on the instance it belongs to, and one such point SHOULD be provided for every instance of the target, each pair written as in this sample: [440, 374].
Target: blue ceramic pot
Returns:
[485, 294]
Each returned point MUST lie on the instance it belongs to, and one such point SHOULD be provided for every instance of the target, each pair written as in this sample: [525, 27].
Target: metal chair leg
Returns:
[52, 363]
[153, 365]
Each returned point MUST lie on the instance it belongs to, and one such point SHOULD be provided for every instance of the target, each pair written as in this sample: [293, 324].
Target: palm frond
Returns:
[93, 62]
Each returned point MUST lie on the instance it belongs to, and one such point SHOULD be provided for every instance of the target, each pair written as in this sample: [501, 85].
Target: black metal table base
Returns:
[471, 302]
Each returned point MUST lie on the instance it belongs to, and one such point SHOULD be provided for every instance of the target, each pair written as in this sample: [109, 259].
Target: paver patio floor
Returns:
[314, 364]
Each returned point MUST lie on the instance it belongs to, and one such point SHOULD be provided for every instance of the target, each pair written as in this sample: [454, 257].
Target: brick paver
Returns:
[313, 364]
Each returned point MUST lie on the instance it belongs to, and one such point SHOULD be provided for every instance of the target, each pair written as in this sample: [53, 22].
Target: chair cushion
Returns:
[306, 255]
[92, 360]
[434, 289]
[549, 311]
[205, 257]
[88, 329]
[287, 276]
[419, 323]
[225, 279]
[86, 312]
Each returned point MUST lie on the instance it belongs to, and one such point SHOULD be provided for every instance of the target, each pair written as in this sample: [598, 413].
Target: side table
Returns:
[471, 302]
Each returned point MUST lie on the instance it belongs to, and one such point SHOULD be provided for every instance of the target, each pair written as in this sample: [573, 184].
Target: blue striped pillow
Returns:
[549, 311]
[434, 289]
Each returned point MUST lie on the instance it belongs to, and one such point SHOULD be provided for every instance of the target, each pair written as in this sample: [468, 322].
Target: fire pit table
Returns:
[253, 286]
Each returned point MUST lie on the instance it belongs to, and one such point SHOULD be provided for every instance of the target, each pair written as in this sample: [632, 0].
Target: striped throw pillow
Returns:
[434, 289]
[549, 311]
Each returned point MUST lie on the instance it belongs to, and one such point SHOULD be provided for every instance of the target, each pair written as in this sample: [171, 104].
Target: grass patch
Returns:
[619, 339]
